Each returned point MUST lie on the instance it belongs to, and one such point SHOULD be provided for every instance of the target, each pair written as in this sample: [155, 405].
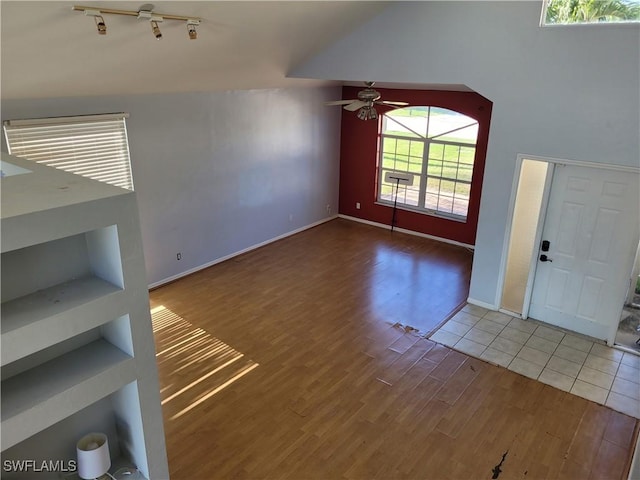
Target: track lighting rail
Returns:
[134, 13]
[144, 13]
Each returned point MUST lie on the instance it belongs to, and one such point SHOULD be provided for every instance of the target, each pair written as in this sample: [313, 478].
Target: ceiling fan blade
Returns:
[355, 105]
[387, 102]
[340, 102]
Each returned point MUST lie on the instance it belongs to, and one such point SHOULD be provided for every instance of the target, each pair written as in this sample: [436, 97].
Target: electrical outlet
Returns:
[179, 256]
[328, 207]
[291, 217]
[358, 205]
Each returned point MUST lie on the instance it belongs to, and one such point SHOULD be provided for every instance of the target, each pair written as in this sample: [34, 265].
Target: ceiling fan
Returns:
[365, 103]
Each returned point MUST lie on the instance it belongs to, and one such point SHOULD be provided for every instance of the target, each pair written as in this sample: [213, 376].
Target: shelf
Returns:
[46, 317]
[42, 396]
[46, 188]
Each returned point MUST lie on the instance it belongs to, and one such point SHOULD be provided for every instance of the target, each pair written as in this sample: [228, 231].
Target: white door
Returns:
[591, 227]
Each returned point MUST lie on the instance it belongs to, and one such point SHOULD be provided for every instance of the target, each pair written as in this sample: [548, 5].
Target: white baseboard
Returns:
[479, 303]
[404, 230]
[634, 471]
[173, 278]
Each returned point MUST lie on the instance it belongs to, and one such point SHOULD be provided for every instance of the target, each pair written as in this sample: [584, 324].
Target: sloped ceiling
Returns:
[49, 50]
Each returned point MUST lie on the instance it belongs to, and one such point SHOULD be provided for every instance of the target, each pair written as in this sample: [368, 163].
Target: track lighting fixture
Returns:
[145, 12]
[156, 30]
[97, 16]
[191, 28]
[102, 27]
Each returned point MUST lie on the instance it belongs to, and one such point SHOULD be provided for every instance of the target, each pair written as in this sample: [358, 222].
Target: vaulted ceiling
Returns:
[49, 50]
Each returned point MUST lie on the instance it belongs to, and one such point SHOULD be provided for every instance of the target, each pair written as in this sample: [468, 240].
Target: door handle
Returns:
[544, 258]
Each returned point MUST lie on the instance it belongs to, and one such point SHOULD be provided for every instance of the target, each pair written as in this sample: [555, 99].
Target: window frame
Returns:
[544, 23]
[423, 176]
[93, 146]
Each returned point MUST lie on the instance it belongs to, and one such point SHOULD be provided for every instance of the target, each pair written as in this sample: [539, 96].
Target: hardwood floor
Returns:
[285, 363]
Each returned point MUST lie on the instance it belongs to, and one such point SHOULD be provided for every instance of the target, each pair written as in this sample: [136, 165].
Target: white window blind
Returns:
[93, 146]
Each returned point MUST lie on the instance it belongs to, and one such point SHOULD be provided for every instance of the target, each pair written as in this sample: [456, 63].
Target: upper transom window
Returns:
[564, 12]
[434, 146]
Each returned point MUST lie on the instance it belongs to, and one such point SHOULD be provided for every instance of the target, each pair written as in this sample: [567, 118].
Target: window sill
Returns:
[430, 213]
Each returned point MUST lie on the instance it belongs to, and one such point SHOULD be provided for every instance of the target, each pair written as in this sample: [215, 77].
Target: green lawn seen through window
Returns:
[449, 161]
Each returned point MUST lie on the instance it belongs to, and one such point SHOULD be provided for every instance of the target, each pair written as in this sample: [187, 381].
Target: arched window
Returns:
[436, 148]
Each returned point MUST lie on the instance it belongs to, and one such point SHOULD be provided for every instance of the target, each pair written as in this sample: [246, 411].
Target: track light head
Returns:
[191, 28]
[146, 13]
[97, 16]
[156, 30]
[102, 27]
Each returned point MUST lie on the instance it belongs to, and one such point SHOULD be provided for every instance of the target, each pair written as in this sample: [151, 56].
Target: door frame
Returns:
[553, 162]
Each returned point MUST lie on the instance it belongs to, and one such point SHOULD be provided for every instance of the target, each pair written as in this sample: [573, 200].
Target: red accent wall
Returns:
[359, 159]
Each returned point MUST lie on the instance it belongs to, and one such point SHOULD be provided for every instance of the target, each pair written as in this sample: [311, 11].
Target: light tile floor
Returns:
[568, 361]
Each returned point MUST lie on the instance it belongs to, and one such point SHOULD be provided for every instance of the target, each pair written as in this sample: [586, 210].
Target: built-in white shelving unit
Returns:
[55, 314]
[77, 345]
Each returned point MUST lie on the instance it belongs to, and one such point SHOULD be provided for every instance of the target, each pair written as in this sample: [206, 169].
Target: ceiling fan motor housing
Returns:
[368, 95]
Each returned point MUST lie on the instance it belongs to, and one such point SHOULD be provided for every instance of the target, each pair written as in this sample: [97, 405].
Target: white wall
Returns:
[217, 173]
[565, 92]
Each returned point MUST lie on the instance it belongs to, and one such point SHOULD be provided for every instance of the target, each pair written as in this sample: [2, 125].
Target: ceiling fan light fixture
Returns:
[364, 105]
[367, 113]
